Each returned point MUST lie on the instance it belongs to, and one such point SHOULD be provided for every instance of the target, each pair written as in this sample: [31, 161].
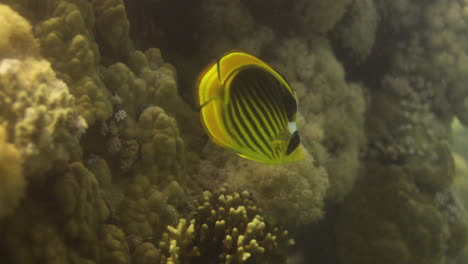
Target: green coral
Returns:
[226, 227]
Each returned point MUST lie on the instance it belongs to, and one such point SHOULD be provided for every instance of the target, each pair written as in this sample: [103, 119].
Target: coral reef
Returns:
[332, 109]
[67, 42]
[38, 112]
[103, 159]
[357, 30]
[227, 25]
[396, 222]
[226, 227]
[291, 194]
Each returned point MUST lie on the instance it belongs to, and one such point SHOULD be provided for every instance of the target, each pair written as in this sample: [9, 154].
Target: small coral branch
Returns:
[225, 228]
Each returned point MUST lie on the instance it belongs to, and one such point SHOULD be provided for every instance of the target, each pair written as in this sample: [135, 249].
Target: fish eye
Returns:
[293, 143]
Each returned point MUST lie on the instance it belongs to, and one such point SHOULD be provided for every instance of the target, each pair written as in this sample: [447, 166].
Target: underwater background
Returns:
[103, 158]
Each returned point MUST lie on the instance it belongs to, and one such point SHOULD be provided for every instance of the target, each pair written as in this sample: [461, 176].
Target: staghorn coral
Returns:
[225, 226]
[13, 183]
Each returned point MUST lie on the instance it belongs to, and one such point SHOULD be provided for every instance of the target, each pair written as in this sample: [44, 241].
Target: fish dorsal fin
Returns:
[234, 60]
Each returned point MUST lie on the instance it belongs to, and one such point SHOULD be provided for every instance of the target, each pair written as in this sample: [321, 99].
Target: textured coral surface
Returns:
[103, 158]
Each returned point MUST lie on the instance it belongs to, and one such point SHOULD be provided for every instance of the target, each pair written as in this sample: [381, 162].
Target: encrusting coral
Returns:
[225, 228]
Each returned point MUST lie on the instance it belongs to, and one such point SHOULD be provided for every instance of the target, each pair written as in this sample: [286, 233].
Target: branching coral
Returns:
[225, 227]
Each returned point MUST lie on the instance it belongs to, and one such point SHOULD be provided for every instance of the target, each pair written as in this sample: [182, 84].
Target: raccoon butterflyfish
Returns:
[248, 107]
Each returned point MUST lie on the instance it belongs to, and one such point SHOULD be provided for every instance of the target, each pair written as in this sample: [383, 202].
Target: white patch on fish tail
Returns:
[292, 127]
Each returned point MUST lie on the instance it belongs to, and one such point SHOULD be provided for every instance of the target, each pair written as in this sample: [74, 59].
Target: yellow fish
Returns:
[248, 107]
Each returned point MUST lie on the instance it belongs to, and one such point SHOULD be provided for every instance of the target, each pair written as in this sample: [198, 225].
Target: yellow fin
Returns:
[234, 60]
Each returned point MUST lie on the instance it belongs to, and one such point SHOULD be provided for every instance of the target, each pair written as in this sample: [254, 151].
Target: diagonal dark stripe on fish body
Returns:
[248, 124]
[245, 127]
